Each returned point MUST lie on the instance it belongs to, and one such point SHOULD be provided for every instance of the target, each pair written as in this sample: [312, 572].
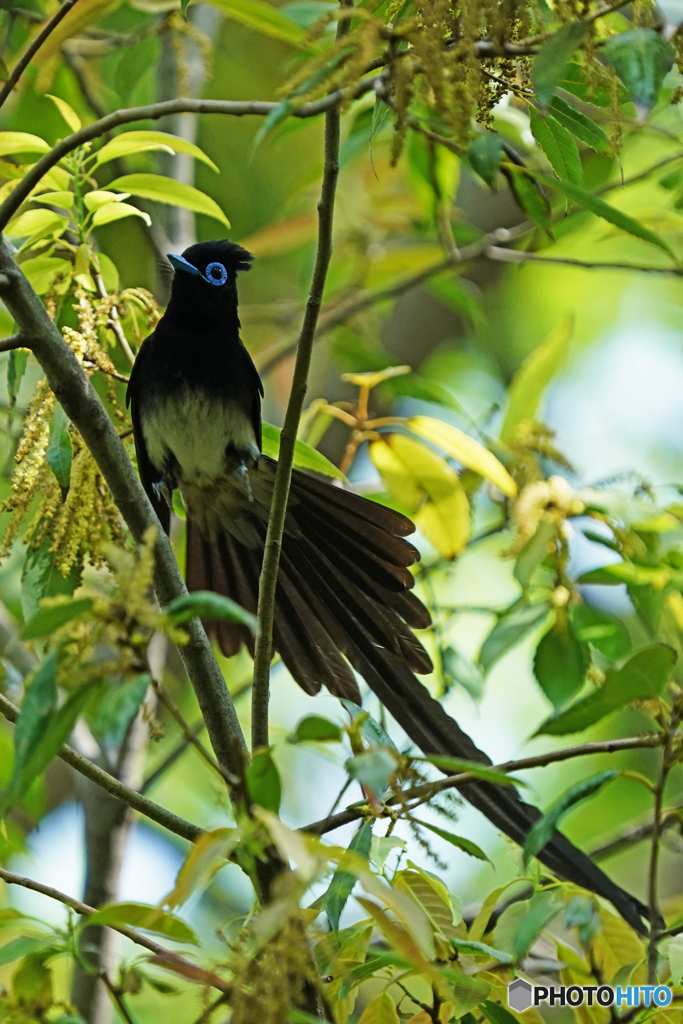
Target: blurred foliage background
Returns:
[612, 408]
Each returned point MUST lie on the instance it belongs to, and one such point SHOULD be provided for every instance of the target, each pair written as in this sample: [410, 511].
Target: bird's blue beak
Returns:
[178, 263]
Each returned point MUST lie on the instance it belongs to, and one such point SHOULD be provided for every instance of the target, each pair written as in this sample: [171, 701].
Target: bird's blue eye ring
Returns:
[216, 273]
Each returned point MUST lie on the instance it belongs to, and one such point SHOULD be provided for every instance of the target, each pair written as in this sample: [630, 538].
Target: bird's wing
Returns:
[149, 476]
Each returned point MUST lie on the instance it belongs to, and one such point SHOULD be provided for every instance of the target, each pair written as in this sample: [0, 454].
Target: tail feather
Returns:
[343, 591]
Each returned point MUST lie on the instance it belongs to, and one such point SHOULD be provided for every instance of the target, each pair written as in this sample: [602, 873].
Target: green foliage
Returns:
[543, 829]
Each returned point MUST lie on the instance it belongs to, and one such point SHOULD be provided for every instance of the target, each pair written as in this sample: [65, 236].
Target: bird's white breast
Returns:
[196, 429]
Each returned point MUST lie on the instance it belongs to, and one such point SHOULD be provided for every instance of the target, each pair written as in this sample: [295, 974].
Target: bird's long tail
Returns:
[344, 600]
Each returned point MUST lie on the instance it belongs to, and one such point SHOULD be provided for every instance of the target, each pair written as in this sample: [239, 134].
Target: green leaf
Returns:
[59, 454]
[40, 578]
[496, 1013]
[305, 457]
[512, 627]
[528, 194]
[36, 224]
[532, 378]
[558, 145]
[642, 58]
[342, 883]
[110, 212]
[458, 668]
[560, 663]
[357, 975]
[63, 199]
[141, 915]
[535, 551]
[370, 729]
[604, 631]
[67, 112]
[373, 769]
[456, 765]
[263, 18]
[263, 781]
[16, 367]
[468, 946]
[485, 155]
[21, 142]
[166, 190]
[315, 728]
[541, 832]
[380, 1010]
[609, 213]
[50, 618]
[643, 677]
[20, 947]
[129, 143]
[207, 605]
[521, 923]
[552, 59]
[466, 845]
[116, 709]
[579, 124]
[42, 728]
[42, 271]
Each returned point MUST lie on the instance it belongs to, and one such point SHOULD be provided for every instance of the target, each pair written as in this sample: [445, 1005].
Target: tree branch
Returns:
[124, 793]
[33, 47]
[418, 794]
[14, 341]
[154, 111]
[84, 408]
[276, 523]
[498, 255]
[186, 967]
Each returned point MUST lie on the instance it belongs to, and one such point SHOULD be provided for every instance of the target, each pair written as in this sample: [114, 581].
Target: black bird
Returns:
[343, 597]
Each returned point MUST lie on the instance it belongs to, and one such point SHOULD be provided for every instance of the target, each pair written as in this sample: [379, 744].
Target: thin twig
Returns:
[171, 758]
[161, 952]
[124, 793]
[278, 511]
[656, 920]
[636, 834]
[14, 341]
[189, 734]
[117, 997]
[498, 255]
[418, 794]
[33, 47]
[154, 111]
[115, 322]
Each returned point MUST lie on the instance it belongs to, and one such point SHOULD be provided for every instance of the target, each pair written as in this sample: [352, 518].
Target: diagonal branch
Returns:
[276, 523]
[113, 786]
[500, 255]
[184, 966]
[429, 789]
[33, 47]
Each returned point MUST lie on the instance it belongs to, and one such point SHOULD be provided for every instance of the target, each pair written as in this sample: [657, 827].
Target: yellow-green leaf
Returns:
[433, 897]
[305, 456]
[397, 478]
[63, 199]
[380, 1011]
[129, 143]
[533, 377]
[263, 18]
[166, 190]
[21, 142]
[465, 449]
[100, 197]
[117, 211]
[204, 859]
[35, 222]
[67, 112]
[446, 522]
[150, 919]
